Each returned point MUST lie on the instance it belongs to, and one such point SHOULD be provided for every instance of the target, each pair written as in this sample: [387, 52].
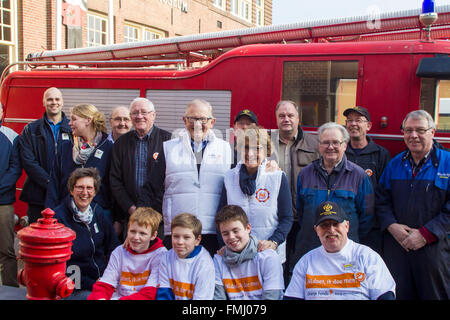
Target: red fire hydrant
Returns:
[45, 246]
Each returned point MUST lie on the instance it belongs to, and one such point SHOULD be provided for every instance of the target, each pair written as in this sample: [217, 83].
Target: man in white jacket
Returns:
[196, 163]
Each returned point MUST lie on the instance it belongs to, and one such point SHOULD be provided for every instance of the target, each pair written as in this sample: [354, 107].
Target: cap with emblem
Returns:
[247, 113]
[362, 111]
[329, 210]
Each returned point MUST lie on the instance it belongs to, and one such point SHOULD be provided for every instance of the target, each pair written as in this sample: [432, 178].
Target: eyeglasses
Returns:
[334, 143]
[357, 121]
[193, 120]
[82, 188]
[420, 131]
[120, 119]
[142, 113]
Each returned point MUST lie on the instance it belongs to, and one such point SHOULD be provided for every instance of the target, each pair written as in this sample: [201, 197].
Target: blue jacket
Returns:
[93, 244]
[10, 169]
[422, 201]
[352, 190]
[64, 166]
[37, 153]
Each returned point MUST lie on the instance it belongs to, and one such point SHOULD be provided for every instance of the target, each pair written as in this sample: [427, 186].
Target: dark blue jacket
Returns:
[422, 201]
[352, 190]
[10, 169]
[37, 153]
[64, 166]
[93, 244]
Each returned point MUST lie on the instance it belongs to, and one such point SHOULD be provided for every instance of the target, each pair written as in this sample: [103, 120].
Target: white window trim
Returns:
[239, 10]
[222, 7]
[134, 26]
[101, 17]
[259, 9]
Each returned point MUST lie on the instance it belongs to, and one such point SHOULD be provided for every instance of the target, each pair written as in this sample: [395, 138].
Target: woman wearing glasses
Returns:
[95, 237]
[264, 194]
[88, 146]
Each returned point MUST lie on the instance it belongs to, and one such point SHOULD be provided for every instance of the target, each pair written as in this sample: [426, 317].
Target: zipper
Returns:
[93, 245]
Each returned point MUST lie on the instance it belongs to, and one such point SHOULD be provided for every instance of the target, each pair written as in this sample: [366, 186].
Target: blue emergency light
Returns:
[428, 6]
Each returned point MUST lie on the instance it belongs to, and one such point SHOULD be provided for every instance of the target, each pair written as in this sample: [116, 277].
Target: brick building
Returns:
[28, 26]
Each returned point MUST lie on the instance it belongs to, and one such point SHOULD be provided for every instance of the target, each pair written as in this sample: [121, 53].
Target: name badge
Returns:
[96, 228]
[65, 136]
[98, 154]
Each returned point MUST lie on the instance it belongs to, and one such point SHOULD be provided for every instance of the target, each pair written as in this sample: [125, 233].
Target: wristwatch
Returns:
[275, 243]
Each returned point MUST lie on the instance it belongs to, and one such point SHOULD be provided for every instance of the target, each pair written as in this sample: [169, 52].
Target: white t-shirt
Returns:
[354, 273]
[190, 278]
[248, 280]
[129, 272]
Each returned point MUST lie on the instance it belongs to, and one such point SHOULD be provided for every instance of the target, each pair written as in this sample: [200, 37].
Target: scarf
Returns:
[86, 216]
[82, 150]
[247, 182]
[233, 259]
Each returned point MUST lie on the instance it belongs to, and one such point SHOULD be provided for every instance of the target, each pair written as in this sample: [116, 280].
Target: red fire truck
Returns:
[325, 67]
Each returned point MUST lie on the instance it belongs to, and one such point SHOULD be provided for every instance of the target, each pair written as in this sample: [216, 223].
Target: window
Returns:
[97, 30]
[220, 4]
[259, 12]
[435, 99]
[7, 35]
[136, 32]
[322, 89]
[242, 9]
[152, 34]
[130, 33]
[6, 20]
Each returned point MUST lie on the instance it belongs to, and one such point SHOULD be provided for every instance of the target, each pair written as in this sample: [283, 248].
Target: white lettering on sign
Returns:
[180, 4]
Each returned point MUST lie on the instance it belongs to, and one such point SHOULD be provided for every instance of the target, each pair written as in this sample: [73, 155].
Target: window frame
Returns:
[101, 32]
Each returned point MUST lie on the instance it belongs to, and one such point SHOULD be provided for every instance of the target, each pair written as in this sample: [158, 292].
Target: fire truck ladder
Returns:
[399, 25]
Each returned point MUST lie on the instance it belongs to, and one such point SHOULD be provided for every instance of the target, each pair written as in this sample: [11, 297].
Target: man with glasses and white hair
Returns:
[195, 166]
[136, 161]
[413, 206]
[333, 178]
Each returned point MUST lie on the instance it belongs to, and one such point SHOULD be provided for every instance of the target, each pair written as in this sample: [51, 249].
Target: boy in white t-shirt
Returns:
[340, 269]
[187, 270]
[132, 271]
[243, 273]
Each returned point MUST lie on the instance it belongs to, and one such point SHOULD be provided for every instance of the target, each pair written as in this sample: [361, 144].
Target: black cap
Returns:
[362, 111]
[246, 113]
[329, 210]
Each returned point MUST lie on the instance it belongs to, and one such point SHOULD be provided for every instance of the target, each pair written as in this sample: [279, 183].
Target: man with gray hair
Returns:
[195, 166]
[136, 161]
[413, 206]
[333, 178]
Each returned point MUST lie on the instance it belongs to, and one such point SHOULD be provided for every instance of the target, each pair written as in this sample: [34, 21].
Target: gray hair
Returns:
[334, 125]
[144, 101]
[200, 102]
[420, 115]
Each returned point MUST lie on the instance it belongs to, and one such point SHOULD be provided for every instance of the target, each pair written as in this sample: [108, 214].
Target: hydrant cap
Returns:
[46, 230]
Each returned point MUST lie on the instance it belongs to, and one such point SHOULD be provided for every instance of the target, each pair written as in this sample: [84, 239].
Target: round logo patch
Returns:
[360, 276]
[262, 195]
[369, 172]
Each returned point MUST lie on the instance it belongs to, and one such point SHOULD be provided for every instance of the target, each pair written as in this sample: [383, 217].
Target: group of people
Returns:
[192, 216]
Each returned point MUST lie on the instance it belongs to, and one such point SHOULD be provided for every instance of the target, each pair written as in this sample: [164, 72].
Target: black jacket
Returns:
[122, 173]
[37, 153]
[373, 159]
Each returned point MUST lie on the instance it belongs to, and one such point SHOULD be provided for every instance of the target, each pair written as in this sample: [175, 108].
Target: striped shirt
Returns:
[141, 155]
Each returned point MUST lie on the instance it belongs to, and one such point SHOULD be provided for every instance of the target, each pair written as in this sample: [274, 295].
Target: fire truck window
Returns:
[435, 99]
[322, 89]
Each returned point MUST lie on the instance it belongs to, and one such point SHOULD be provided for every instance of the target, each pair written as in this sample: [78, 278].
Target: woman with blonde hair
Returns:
[87, 147]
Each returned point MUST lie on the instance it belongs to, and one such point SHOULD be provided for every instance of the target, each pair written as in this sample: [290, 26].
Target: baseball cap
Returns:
[247, 113]
[362, 111]
[329, 210]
